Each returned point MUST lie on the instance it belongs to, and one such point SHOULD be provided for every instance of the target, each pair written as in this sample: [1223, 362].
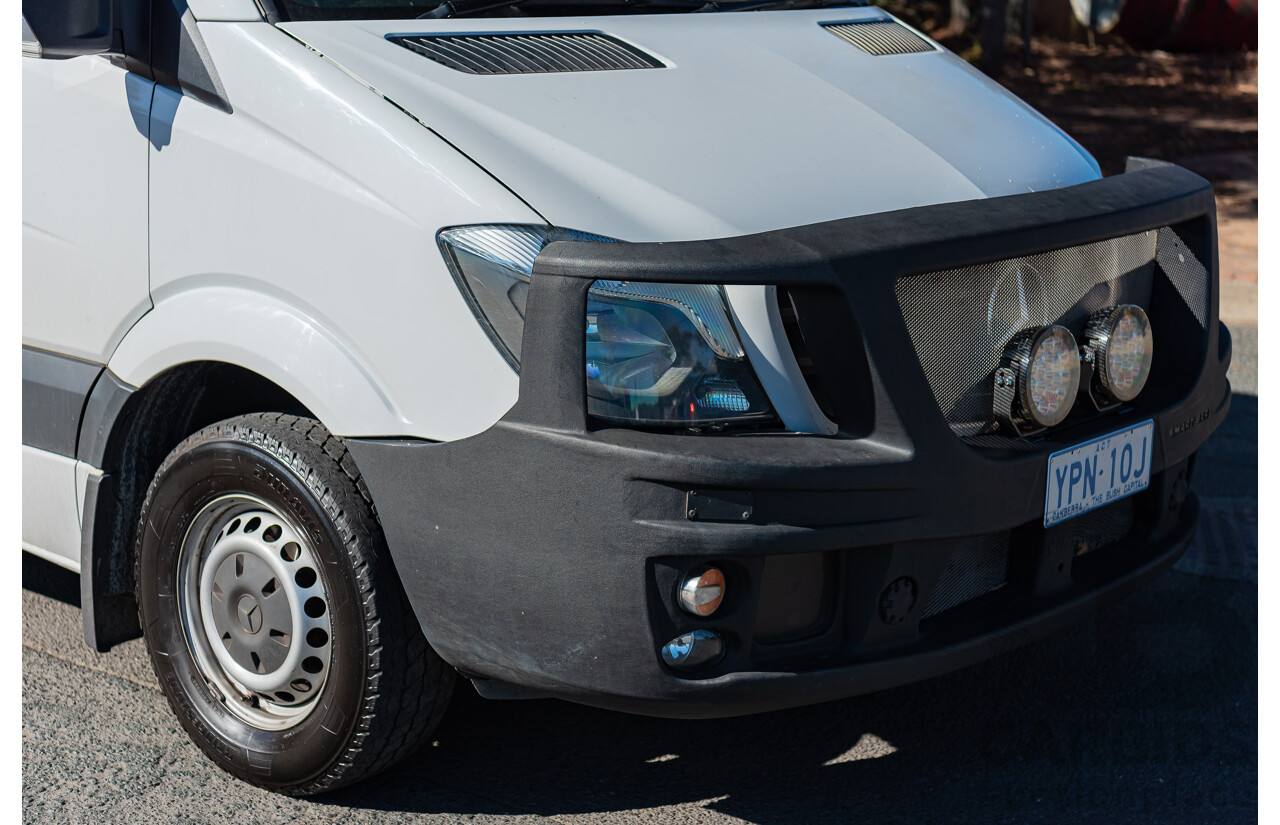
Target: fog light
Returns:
[1119, 339]
[693, 650]
[702, 592]
[1043, 365]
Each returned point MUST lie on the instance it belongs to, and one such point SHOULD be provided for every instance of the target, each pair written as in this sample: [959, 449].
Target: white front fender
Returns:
[286, 344]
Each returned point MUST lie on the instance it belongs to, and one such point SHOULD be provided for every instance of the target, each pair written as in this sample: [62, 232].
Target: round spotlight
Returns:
[692, 650]
[702, 591]
[1045, 366]
[1119, 339]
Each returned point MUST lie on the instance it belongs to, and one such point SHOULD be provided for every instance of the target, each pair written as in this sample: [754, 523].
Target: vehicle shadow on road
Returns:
[1148, 709]
[47, 579]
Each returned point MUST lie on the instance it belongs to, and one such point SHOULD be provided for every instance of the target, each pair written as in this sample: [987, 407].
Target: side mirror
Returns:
[59, 29]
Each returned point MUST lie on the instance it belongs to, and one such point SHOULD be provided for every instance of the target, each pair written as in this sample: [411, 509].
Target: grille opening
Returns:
[1097, 530]
[959, 320]
[795, 337]
[528, 53]
[977, 566]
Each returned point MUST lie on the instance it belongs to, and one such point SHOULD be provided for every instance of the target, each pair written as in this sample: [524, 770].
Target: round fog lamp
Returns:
[1046, 366]
[702, 591]
[693, 650]
[1120, 340]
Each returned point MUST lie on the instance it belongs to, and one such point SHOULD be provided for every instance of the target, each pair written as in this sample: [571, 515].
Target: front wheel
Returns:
[273, 616]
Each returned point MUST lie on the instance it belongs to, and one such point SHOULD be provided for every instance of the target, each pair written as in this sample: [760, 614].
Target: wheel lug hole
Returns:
[316, 637]
[290, 551]
[253, 524]
[305, 577]
[312, 664]
[315, 607]
[300, 685]
[272, 533]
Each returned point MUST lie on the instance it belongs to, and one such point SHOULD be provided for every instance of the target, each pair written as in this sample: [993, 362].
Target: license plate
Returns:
[1098, 472]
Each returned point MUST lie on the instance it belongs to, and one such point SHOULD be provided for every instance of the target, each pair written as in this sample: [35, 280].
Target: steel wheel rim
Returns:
[255, 611]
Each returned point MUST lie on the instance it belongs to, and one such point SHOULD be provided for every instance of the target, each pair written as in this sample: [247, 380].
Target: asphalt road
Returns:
[1146, 712]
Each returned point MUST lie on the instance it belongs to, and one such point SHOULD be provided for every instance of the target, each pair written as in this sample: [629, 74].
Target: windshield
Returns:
[410, 9]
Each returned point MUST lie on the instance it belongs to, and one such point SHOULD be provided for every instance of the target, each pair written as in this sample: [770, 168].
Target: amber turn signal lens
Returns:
[702, 591]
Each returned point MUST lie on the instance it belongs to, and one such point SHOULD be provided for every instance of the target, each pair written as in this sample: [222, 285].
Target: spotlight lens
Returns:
[1052, 377]
[702, 592]
[693, 650]
[1126, 352]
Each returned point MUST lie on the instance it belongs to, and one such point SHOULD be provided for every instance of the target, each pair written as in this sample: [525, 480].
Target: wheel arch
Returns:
[127, 431]
[272, 333]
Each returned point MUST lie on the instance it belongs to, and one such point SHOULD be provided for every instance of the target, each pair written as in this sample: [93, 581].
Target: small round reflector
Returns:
[702, 591]
[1046, 363]
[692, 650]
[1120, 340]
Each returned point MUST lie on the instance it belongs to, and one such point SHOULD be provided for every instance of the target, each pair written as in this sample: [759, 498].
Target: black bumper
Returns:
[544, 552]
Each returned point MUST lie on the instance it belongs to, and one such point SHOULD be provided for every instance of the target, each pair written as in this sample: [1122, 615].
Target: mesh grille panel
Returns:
[529, 53]
[1103, 526]
[977, 566]
[1184, 269]
[880, 37]
[959, 320]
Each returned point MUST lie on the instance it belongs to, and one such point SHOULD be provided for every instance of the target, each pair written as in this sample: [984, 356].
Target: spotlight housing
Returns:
[702, 591]
[1118, 341]
[1038, 378]
[693, 650]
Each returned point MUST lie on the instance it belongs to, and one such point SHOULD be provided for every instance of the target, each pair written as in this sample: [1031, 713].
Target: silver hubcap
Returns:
[255, 612]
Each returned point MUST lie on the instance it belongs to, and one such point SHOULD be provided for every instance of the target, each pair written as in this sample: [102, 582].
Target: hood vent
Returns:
[532, 53]
[880, 37]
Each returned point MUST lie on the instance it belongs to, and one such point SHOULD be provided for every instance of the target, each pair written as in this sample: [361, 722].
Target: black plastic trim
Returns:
[102, 410]
[179, 57]
[108, 611]
[54, 390]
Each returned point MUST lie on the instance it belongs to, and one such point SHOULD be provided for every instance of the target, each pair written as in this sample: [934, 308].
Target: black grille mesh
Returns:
[1186, 271]
[960, 319]
[880, 37]
[531, 53]
[1101, 527]
[976, 566]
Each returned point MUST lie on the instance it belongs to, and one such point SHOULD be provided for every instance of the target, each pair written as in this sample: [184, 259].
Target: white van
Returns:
[685, 358]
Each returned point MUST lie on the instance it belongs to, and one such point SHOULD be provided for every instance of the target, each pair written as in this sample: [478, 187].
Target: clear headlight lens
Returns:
[657, 354]
[1120, 340]
[1053, 377]
[1045, 367]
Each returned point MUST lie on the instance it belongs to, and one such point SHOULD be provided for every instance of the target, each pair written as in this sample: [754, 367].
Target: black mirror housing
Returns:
[59, 29]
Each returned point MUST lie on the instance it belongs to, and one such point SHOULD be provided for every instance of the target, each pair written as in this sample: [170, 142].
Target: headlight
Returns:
[1119, 339]
[656, 354]
[1043, 367]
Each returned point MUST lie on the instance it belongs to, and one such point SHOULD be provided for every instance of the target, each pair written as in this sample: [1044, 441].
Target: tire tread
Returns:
[405, 695]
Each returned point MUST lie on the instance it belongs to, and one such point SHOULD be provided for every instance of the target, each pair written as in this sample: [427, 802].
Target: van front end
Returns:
[716, 570]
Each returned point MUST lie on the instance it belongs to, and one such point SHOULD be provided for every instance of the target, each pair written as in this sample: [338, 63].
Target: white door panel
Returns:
[84, 204]
[50, 515]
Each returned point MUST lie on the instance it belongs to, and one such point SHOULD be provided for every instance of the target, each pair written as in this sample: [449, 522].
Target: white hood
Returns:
[761, 120]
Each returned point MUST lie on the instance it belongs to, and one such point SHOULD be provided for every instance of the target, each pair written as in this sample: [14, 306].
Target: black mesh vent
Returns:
[976, 566]
[1186, 272]
[960, 319]
[532, 53]
[880, 37]
[1101, 527]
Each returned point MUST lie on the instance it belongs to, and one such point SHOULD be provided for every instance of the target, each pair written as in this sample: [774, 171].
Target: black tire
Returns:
[385, 688]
